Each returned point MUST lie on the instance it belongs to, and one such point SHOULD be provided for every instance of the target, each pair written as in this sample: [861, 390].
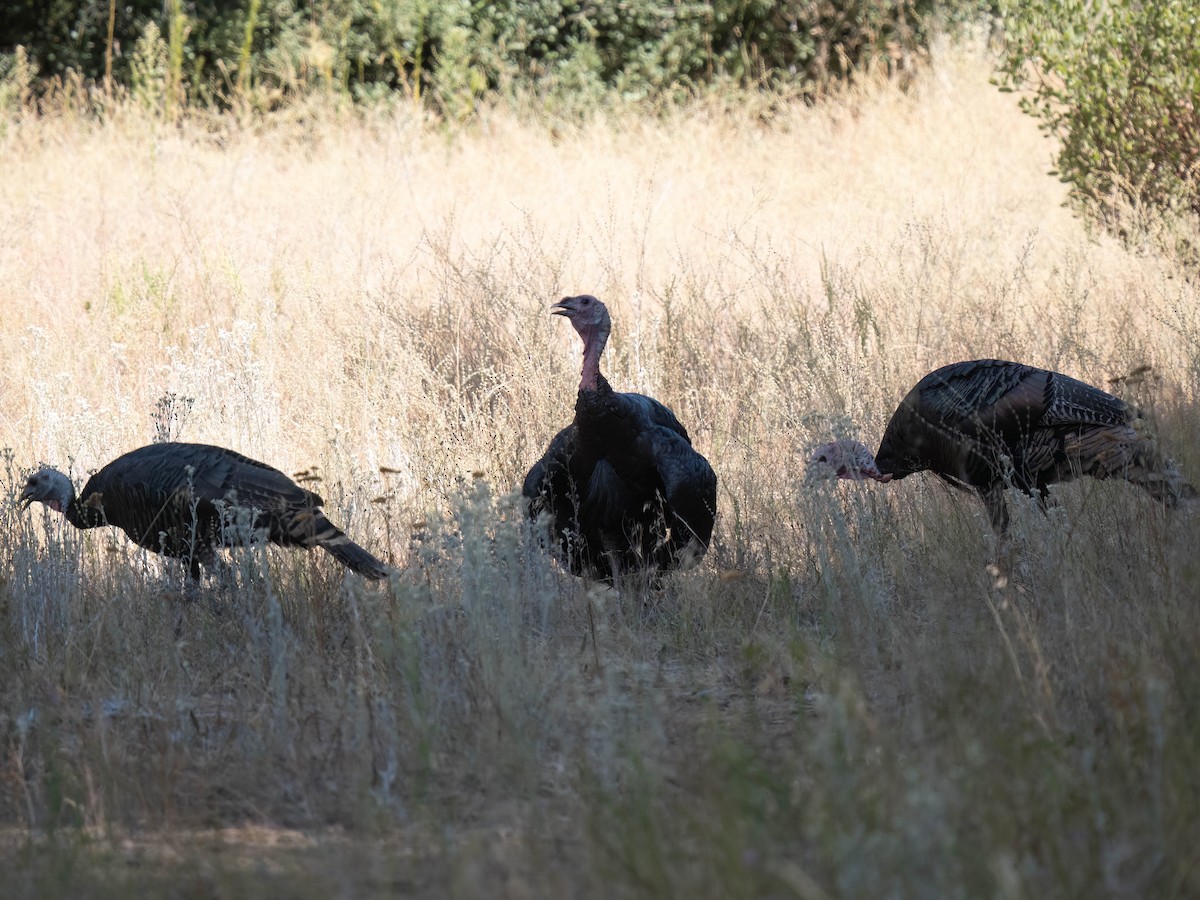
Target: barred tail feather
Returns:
[1165, 483]
[313, 529]
[1126, 453]
[1160, 477]
[355, 558]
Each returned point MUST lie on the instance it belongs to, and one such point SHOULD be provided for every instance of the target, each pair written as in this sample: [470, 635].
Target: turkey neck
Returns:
[590, 378]
[594, 404]
[82, 516]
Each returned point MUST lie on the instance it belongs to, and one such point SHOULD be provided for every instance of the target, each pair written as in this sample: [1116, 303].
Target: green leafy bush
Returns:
[455, 52]
[17, 74]
[1118, 84]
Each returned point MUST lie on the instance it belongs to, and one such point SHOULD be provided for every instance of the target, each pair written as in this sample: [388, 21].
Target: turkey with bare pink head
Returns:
[989, 424]
[621, 486]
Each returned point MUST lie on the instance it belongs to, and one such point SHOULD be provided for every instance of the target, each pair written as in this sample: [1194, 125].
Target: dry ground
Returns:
[843, 700]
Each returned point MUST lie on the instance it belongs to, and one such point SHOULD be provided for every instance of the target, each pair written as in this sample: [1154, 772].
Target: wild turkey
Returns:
[989, 424]
[622, 485]
[186, 500]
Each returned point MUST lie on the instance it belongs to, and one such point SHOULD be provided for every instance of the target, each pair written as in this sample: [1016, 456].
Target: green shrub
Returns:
[452, 53]
[1118, 84]
[148, 70]
[17, 74]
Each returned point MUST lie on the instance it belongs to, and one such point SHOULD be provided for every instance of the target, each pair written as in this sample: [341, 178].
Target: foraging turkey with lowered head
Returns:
[187, 500]
[988, 424]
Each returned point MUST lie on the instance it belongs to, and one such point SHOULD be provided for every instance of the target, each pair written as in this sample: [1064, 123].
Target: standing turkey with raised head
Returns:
[187, 500]
[989, 424]
[622, 485]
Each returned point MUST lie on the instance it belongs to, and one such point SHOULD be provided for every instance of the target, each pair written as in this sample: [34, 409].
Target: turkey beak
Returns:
[26, 497]
[562, 308]
[862, 473]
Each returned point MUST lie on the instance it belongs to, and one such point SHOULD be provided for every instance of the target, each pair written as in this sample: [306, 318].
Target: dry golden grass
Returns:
[841, 701]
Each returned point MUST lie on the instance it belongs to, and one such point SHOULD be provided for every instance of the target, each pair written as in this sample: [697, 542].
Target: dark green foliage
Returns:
[461, 50]
[1119, 86]
[62, 35]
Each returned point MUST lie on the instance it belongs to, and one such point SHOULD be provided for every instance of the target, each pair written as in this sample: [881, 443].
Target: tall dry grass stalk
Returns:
[841, 701]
